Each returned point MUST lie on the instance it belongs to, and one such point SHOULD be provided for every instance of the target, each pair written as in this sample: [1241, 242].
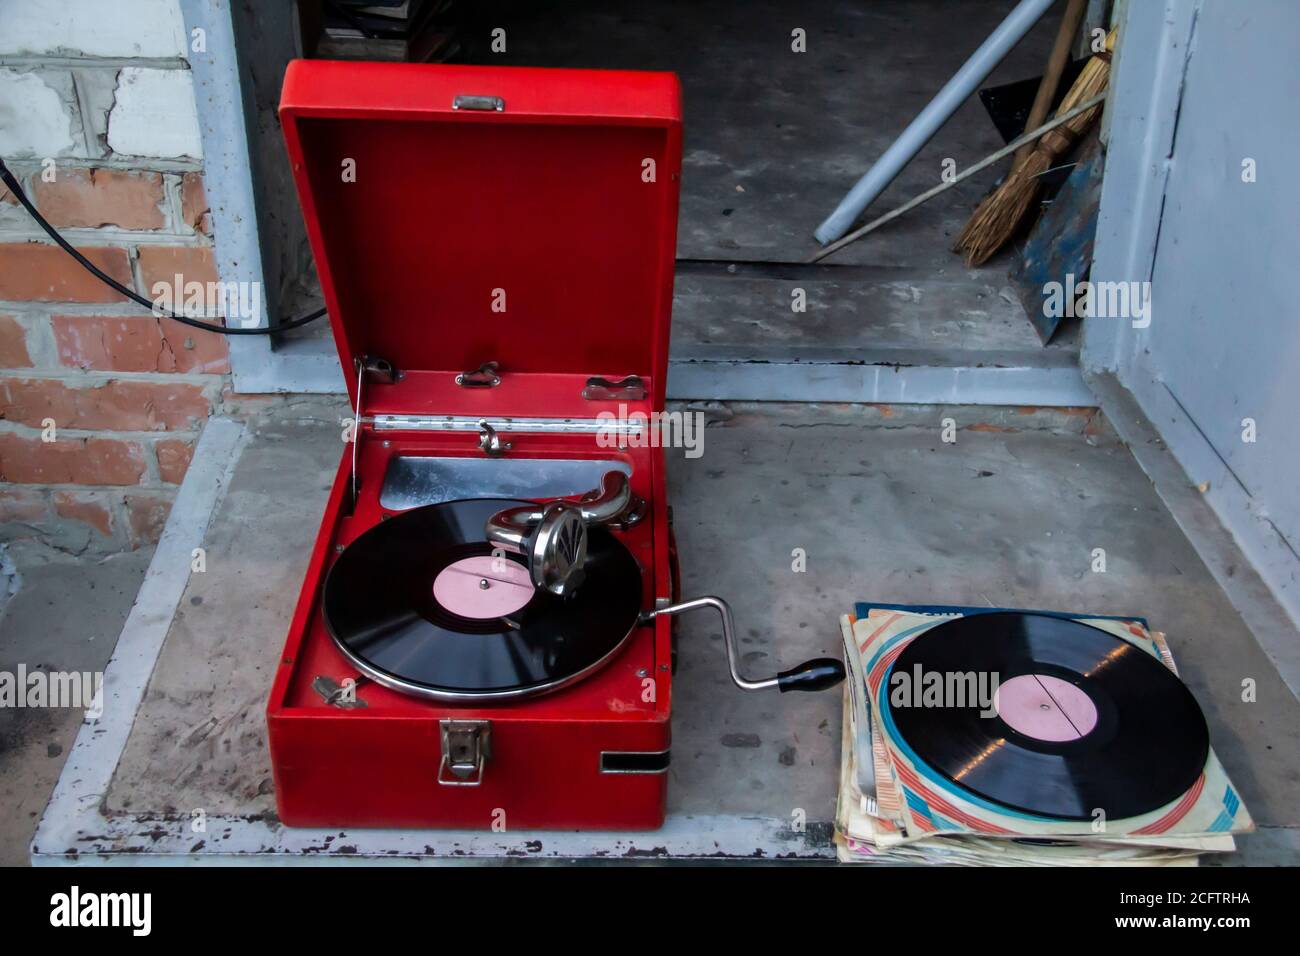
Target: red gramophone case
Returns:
[496, 250]
[550, 195]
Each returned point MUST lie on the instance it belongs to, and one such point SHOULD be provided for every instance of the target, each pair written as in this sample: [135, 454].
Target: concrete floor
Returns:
[65, 616]
[1007, 515]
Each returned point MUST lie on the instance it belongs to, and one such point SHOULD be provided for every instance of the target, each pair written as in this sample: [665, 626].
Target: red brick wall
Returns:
[126, 393]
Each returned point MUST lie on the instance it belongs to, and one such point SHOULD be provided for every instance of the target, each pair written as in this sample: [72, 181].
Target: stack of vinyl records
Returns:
[978, 737]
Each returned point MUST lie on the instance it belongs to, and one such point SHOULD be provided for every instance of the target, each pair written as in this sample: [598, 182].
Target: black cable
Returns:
[17, 190]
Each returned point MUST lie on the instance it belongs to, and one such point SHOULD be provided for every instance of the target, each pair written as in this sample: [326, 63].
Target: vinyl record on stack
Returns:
[421, 604]
[1082, 720]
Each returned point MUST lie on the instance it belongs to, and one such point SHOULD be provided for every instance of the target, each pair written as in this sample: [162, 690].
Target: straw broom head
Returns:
[998, 217]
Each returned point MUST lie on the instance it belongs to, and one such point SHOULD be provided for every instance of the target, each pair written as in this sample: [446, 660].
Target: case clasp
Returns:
[466, 747]
[490, 441]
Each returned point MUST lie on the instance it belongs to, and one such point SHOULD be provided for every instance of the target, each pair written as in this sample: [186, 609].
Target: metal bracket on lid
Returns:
[466, 747]
[382, 369]
[487, 104]
[629, 389]
[485, 376]
[385, 372]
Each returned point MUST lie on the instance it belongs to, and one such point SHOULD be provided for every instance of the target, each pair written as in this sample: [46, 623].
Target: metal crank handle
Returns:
[819, 673]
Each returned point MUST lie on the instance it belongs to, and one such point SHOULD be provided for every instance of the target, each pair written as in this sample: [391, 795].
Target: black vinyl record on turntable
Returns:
[425, 604]
[1081, 720]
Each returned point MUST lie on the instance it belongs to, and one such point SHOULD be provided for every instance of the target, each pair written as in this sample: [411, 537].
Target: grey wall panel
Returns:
[1225, 333]
[1202, 87]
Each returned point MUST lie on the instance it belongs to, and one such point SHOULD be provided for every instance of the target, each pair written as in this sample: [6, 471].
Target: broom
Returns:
[998, 217]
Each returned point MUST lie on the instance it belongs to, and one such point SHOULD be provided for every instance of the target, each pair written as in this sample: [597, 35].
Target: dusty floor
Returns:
[1007, 515]
[66, 616]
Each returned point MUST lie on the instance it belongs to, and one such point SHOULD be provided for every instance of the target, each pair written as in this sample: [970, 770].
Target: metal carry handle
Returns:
[473, 781]
[820, 673]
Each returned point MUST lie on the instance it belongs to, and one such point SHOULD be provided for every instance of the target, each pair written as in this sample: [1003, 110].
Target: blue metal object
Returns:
[1060, 245]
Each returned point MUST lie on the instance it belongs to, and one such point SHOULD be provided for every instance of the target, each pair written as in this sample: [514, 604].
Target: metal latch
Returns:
[466, 747]
[490, 441]
[628, 389]
[485, 376]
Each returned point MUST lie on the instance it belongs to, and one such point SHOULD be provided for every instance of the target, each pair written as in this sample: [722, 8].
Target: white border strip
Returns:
[130, 840]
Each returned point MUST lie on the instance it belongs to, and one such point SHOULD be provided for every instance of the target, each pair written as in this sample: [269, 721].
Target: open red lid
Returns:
[467, 214]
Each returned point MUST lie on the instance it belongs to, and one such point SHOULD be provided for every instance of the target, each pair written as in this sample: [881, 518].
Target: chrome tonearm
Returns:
[552, 535]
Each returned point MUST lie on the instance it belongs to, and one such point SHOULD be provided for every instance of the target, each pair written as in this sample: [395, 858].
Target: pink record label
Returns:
[1045, 707]
[483, 587]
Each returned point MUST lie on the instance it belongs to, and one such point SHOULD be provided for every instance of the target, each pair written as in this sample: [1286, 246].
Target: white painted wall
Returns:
[35, 117]
[96, 79]
[101, 28]
[153, 114]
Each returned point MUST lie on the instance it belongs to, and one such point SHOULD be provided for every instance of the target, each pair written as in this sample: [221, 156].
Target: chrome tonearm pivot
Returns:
[552, 535]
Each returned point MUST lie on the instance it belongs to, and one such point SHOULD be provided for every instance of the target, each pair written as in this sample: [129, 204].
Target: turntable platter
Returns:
[420, 604]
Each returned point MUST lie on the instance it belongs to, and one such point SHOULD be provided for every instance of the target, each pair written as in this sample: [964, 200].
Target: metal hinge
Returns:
[384, 371]
[627, 389]
[485, 376]
[467, 423]
[466, 747]
[381, 369]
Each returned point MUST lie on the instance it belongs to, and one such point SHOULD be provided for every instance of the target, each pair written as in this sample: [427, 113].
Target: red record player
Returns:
[483, 638]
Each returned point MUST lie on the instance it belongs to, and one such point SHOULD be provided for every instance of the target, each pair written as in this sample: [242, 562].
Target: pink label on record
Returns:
[1045, 707]
[483, 587]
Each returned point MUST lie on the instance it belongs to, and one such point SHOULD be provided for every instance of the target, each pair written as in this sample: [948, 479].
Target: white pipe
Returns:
[984, 163]
[964, 82]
